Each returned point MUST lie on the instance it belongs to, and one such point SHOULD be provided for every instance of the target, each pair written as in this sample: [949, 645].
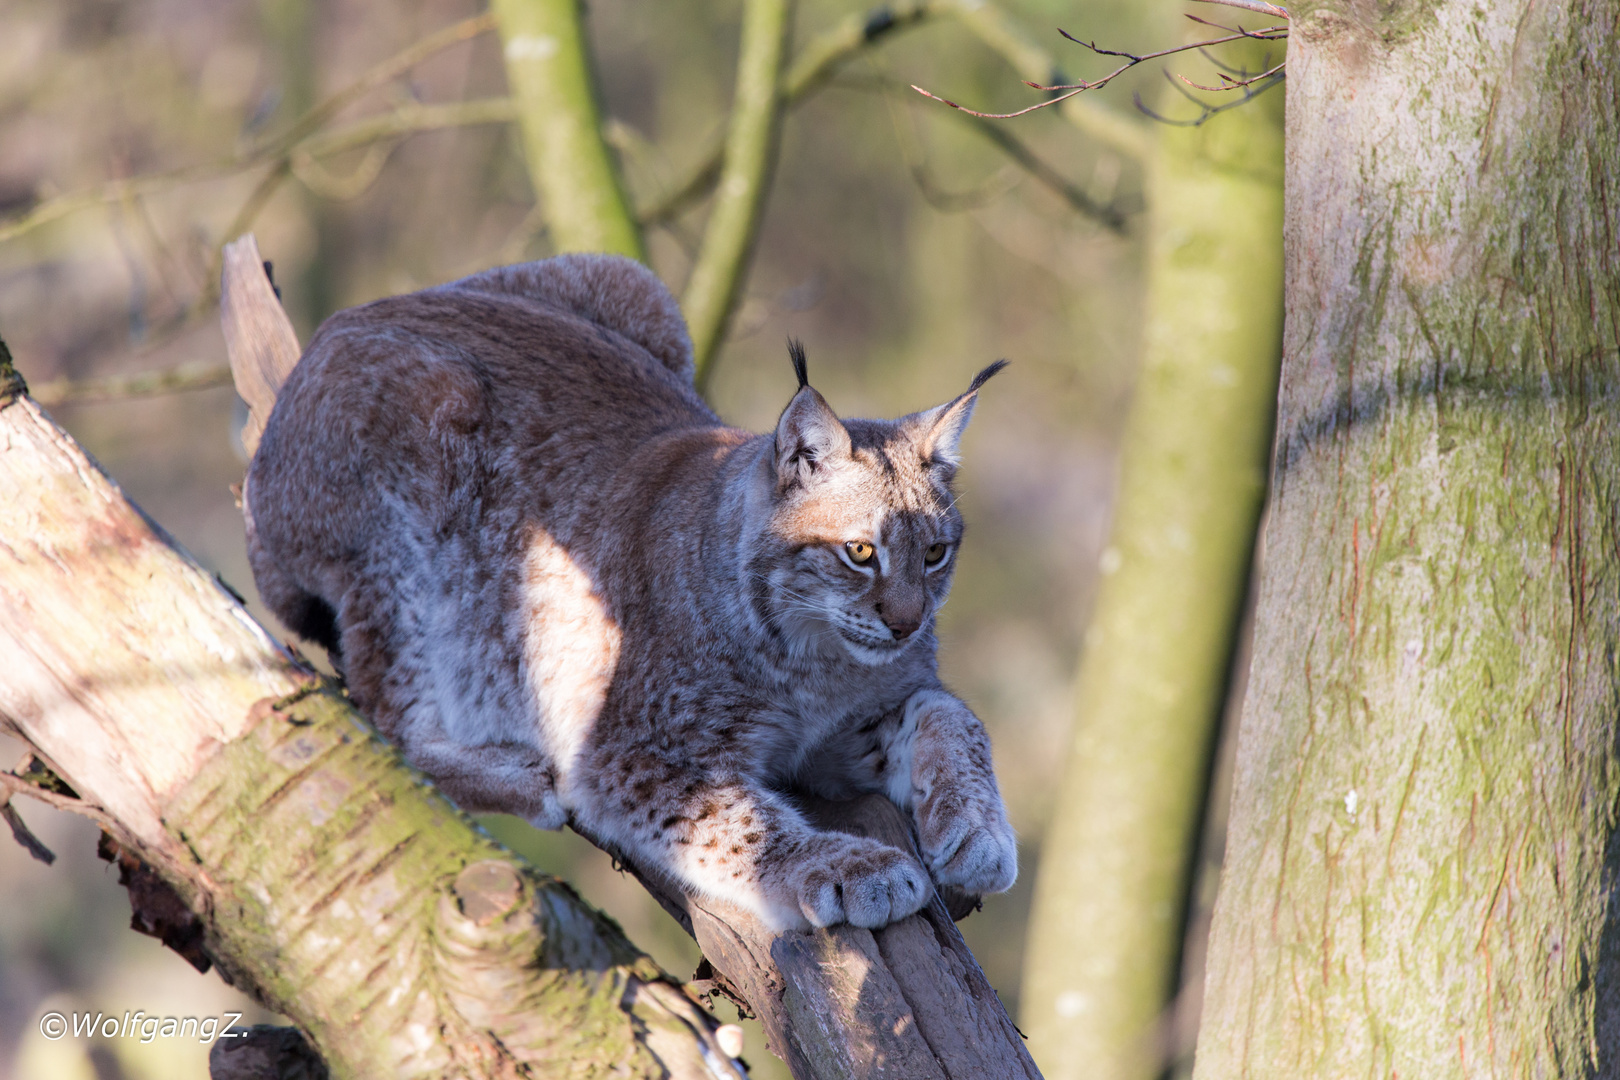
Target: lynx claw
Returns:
[973, 849]
[866, 884]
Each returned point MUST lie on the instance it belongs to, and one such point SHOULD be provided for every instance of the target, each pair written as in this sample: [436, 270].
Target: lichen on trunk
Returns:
[1421, 860]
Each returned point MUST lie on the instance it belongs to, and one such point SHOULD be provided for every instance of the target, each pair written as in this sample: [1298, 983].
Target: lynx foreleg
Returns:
[732, 839]
[942, 771]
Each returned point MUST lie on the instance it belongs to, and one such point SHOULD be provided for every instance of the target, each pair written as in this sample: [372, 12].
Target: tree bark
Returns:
[1105, 935]
[1422, 858]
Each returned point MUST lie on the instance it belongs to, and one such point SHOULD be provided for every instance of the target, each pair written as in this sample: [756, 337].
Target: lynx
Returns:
[553, 577]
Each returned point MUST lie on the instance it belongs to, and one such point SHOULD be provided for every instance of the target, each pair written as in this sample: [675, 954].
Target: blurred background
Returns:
[905, 248]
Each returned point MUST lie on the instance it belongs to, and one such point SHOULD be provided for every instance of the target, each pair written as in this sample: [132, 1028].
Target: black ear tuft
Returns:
[796, 354]
[984, 376]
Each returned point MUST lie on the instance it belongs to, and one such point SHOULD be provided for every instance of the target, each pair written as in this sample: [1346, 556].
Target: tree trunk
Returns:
[1422, 853]
[1106, 931]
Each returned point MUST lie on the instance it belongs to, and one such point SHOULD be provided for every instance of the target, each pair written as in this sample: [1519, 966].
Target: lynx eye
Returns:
[935, 553]
[859, 552]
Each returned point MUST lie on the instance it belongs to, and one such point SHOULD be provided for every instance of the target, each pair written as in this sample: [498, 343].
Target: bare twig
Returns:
[1229, 83]
[1069, 90]
[36, 781]
[1110, 215]
[1274, 78]
[383, 73]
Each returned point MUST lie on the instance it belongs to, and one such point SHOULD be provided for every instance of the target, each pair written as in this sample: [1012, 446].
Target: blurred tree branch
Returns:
[548, 66]
[745, 179]
[192, 376]
[271, 148]
[578, 170]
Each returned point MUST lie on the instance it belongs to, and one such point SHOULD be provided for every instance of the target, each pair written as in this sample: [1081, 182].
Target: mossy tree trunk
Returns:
[1420, 876]
[1105, 935]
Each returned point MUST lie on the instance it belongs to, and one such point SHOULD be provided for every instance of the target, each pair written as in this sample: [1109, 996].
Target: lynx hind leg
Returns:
[501, 779]
[302, 612]
[961, 821]
[609, 290]
[737, 842]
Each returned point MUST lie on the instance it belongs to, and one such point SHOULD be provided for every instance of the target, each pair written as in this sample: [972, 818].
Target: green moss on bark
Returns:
[1421, 862]
[353, 898]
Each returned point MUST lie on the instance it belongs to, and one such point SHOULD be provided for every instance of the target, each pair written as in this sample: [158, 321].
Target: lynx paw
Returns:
[968, 843]
[861, 882]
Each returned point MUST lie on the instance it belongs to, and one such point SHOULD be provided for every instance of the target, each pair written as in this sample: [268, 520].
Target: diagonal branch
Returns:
[814, 68]
[574, 173]
[750, 158]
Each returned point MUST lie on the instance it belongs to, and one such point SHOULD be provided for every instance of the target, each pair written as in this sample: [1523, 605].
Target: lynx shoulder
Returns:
[568, 591]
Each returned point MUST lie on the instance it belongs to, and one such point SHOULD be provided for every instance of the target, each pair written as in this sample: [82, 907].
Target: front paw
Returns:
[967, 842]
[858, 881]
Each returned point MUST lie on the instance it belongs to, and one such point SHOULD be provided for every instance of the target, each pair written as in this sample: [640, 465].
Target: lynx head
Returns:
[860, 536]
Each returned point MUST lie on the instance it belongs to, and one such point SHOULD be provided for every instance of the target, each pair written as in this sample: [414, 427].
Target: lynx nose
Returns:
[902, 624]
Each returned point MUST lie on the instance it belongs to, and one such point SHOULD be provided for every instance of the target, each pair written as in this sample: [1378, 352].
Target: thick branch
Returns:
[329, 880]
[751, 145]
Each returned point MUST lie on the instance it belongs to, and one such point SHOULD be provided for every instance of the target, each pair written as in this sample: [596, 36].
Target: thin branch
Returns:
[383, 73]
[1229, 83]
[192, 376]
[12, 784]
[1209, 111]
[752, 139]
[1070, 90]
[407, 120]
[1025, 158]
[277, 146]
[256, 202]
[811, 70]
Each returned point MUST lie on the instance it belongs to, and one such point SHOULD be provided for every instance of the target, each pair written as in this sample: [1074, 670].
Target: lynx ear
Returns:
[940, 429]
[809, 436]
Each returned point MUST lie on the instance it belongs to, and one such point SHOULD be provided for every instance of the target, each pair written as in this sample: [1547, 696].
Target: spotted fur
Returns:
[569, 592]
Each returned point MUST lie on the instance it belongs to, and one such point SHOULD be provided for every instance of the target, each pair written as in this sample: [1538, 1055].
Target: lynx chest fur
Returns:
[567, 591]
